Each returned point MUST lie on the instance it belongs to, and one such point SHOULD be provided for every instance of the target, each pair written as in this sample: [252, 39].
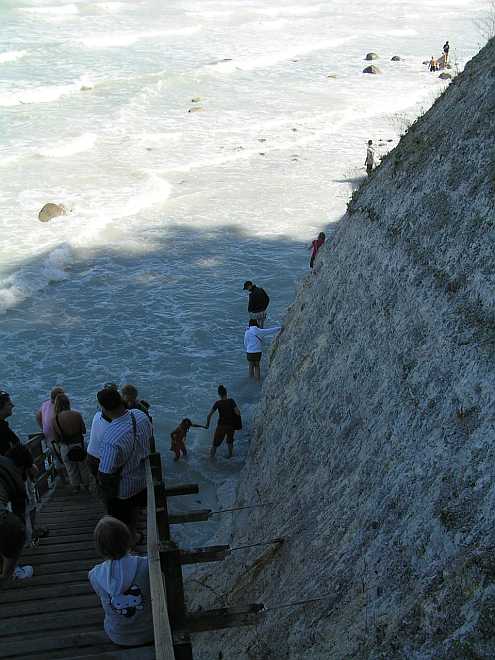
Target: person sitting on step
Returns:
[123, 585]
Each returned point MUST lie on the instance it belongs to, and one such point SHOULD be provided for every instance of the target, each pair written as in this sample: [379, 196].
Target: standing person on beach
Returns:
[45, 418]
[8, 438]
[315, 246]
[178, 437]
[446, 48]
[370, 157]
[258, 302]
[253, 344]
[122, 469]
[229, 421]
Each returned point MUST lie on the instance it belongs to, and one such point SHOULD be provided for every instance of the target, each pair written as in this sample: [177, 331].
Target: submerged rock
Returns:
[196, 99]
[371, 69]
[371, 56]
[396, 58]
[197, 108]
[51, 210]
[445, 76]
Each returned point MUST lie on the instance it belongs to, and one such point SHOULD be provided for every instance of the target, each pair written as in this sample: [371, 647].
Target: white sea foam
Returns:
[270, 59]
[290, 10]
[122, 39]
[12, 56]
[65, 148]
[42, 94]
[27, 281]
[84, 228]
[54, 11]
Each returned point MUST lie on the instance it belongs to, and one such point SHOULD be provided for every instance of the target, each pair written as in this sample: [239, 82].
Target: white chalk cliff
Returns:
[375, 437]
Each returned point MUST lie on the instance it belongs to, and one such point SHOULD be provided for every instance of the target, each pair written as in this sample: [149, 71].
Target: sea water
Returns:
[172, 210]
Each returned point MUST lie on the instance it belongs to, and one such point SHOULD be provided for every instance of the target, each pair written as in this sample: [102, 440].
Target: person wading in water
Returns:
[229, 421]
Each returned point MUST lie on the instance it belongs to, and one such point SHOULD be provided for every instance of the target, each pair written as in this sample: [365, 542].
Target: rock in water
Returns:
[445, 76]
[196, 99]
[50, 211]
[196, 109]
[371, 69]
[396, 58]
[371, 56]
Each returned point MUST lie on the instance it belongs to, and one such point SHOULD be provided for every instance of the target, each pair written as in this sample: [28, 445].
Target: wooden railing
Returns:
[164, 647]
[43, 461]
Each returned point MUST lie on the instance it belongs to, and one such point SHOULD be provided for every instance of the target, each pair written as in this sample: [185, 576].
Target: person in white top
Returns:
[253, 338]
[99, 426]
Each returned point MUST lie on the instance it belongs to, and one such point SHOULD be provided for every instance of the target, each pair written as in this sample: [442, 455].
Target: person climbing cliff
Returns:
[370, 157]
[253, 338]
[315, 246]
[258, 302]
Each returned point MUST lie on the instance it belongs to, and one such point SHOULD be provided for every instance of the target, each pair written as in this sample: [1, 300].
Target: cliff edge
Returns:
[375, 438]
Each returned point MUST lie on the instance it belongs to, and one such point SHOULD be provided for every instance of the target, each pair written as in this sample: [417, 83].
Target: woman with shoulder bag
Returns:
[69, 430]
[229, 421]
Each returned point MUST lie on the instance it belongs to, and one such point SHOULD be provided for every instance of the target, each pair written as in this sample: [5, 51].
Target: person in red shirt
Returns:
[315, 246]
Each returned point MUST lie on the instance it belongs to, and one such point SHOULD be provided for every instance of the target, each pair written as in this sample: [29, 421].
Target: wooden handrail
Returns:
[164, 648]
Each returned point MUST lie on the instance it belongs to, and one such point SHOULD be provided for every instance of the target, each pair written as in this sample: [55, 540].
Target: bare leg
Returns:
[230, 447]
[251, 370]
[257, 372]
[213, 451]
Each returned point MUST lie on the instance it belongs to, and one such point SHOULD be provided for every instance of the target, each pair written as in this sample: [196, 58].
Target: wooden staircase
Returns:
[56, 614]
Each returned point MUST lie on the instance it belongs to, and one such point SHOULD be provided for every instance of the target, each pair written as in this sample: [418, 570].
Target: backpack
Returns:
[266, 298]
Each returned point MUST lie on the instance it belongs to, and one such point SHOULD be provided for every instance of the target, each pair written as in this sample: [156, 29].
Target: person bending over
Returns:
[45, 418]
[123, 585]
[229, 421]
[178, 437]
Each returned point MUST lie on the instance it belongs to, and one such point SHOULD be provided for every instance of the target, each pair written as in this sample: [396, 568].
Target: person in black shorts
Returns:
[229, 421]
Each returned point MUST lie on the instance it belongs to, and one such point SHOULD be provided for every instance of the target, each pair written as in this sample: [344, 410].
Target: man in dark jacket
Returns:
[8, 438]
[14, 468]
[258, 302]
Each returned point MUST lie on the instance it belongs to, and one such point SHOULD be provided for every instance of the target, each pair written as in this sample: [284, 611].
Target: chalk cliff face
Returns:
[375, 438]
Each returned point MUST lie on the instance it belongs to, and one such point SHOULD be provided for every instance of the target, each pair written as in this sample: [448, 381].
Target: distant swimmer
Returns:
[229, 421]
[433, 64]
[258, 302]
[315, 246]
[446, 48]
[253, 338]
[370, 157]
[178, 437]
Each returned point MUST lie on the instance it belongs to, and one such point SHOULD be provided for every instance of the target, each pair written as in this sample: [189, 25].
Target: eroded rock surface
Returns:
[374, 444]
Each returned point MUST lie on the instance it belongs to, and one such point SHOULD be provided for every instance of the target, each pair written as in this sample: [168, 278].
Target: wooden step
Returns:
[42, 557]
[37, 594]
[53, 605]
[47, 579]
[18, 625]
[52, 642]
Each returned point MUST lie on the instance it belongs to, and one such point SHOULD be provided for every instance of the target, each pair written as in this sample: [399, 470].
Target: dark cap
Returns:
[247, 284]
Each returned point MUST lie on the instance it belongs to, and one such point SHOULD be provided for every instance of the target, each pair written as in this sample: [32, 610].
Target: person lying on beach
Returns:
[178, 437]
